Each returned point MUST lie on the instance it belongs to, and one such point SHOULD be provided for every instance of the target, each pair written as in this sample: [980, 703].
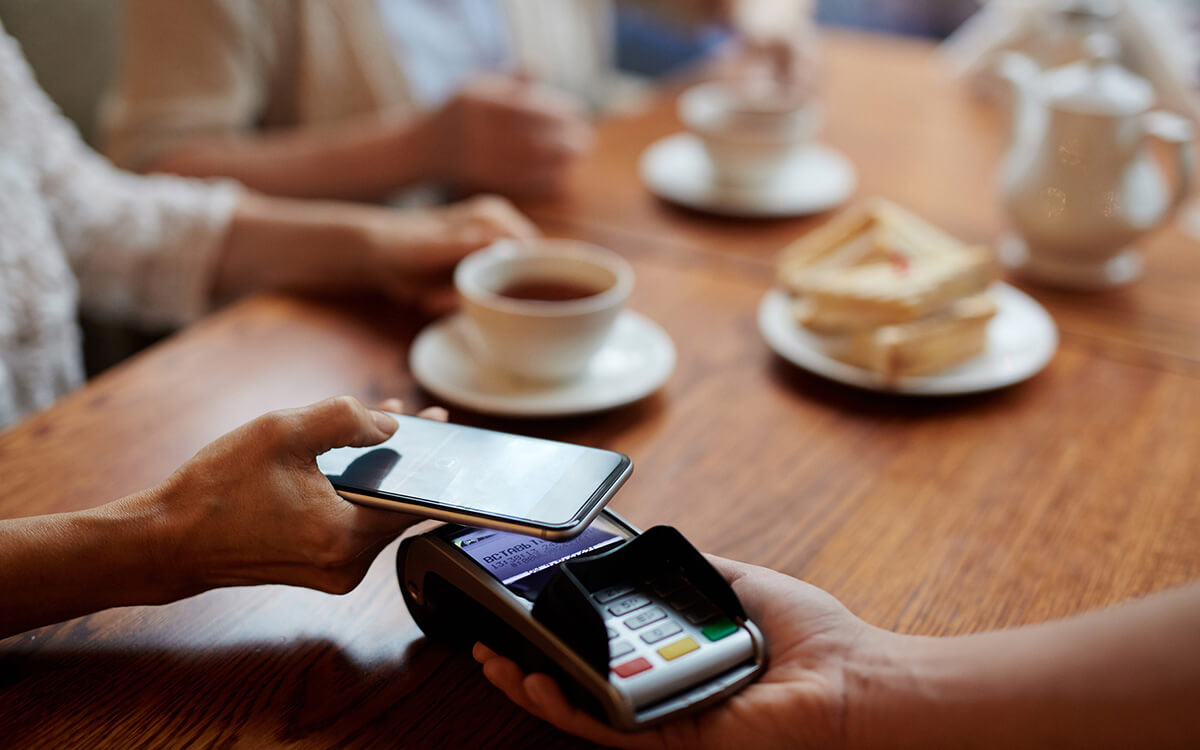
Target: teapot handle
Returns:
[1176, 131]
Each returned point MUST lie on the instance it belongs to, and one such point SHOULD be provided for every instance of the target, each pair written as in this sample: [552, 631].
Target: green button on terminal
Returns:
[718, 630]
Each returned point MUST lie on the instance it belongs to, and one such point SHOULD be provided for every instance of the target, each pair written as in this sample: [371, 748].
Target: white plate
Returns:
[1021, 339]
[638, 358]
[817, 179]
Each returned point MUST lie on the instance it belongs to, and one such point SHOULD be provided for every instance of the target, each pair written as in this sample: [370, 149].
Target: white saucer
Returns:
[817, 179]
[1122, 269]
[638, 358]
[1021, 339]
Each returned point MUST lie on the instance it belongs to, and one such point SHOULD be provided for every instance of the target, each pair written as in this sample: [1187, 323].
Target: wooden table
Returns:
[1074, 490]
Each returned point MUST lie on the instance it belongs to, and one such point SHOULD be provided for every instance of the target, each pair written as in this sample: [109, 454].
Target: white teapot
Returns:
[1080, 182]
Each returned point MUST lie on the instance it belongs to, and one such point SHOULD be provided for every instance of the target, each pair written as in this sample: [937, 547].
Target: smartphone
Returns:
[481, 478]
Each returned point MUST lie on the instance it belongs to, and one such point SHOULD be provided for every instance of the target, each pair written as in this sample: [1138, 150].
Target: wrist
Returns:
[63, 565]
[883, 690]
[279, 243]
[350, 255]
[141, 536]
[419, 147]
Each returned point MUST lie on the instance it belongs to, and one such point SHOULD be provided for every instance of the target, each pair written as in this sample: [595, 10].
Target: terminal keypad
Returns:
[653, 624]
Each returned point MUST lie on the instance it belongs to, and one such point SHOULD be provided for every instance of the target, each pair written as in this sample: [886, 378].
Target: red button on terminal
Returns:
[631, 667]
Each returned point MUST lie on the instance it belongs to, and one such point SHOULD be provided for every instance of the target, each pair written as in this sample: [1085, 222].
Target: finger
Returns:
[760, 589]
[482, 653]
[393, 405]
[499, 226]
[580, 137]
[382, 525]
[752, 583]
[502, 216]
[539, 695]
[336, 422]
[531, 105]
[549, 703]
[561, 139]
[436, 413]
[731, 570]
[507, 676]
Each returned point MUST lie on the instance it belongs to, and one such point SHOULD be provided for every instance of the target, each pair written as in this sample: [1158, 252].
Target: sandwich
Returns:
[893, 293]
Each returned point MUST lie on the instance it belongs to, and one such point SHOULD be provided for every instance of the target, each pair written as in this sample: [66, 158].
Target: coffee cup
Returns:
[542, 308]
[749, 132]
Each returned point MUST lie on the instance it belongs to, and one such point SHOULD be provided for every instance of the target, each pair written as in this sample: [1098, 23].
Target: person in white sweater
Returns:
[161, 250]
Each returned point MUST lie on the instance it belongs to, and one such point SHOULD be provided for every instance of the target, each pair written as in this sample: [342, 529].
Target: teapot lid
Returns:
[1099, 84]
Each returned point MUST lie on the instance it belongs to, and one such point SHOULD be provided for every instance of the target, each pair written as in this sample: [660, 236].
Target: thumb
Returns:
[337, 422]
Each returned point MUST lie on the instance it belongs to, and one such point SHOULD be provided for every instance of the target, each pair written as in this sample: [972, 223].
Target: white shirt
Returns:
[76, 231]
[441, 44]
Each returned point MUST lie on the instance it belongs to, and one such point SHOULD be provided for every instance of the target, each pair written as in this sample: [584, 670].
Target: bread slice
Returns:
[877, 264]
[820, 248]
[867, 232]
[946, 338]
[897, 291]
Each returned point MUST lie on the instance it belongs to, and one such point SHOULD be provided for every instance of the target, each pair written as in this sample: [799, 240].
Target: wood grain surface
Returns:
[1073, 490]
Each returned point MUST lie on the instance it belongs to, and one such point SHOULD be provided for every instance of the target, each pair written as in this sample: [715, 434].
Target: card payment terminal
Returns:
[638, 628]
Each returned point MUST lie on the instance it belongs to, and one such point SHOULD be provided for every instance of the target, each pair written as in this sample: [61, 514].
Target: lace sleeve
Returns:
[142, 248]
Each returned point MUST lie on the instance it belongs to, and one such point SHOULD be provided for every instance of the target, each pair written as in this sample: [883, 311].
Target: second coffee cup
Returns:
[542, 308]
[749, 135]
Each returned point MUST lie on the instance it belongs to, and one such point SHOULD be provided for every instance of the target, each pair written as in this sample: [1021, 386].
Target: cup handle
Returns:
[1175, 131]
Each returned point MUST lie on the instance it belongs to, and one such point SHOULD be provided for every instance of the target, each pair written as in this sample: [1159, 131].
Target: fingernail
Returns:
[384, 422]
[437, 412]
[534, 690]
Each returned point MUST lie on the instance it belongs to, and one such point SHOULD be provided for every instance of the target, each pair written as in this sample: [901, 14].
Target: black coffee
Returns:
[547, 290]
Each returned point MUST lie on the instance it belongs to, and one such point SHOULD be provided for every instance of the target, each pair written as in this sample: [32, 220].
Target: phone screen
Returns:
[523, 563]
[482, 472]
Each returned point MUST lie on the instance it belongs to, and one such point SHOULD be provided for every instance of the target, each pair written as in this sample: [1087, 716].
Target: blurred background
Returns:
[72, 44]
[73, 47]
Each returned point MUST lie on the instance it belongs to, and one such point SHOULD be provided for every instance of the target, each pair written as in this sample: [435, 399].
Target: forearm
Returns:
[283, 244]
[319, 246]
[64, 565]
[363, 159]
[1123, 677]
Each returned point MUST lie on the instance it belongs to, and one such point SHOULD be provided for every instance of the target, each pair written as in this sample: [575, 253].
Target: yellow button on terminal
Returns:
[678, 648]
